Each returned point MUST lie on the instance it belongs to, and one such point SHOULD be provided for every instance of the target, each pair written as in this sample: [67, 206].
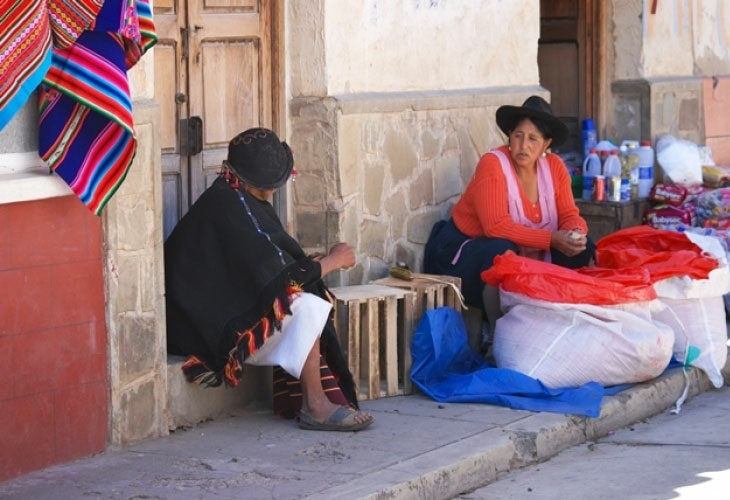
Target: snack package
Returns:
[670, 217]
[719, 224]
[694, 192]
[714, 205]
[670, 194]
[716, 176]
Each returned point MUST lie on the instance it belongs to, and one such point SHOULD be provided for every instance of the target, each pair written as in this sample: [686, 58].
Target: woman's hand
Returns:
[341, 256]
[570, 243]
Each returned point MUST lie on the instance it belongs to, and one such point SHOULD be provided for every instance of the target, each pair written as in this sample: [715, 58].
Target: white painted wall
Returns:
[683, 38]
[667, 48]
[711, 30]
[361, 46]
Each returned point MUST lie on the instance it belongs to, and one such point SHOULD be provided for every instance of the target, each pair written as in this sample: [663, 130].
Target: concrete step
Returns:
[189, 404]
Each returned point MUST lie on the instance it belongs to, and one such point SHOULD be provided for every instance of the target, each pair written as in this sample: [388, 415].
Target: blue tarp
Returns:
[448, 370]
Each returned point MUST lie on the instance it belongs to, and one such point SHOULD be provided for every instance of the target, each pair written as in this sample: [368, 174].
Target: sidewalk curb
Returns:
[479, 459]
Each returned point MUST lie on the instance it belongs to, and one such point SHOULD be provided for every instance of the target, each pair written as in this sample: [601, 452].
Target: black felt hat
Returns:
[260, 158]
[534, 107]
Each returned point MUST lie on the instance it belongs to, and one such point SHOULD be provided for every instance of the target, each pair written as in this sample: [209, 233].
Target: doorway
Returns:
[570, 60]
[214, 77]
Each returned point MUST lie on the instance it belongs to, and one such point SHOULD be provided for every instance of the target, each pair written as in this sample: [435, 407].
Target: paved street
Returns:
[668, 456]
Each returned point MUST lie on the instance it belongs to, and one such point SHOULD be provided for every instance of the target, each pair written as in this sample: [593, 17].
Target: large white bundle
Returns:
[696, 311]
[568, 345]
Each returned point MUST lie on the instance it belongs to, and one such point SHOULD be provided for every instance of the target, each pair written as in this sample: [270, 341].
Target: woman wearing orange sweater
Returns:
[519, 199]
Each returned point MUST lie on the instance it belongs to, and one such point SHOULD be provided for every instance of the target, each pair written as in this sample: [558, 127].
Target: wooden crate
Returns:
[431, 294]
[606, 217]
[375, 324]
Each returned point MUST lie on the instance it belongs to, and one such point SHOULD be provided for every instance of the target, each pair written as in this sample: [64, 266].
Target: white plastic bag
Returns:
[568, 345]
[680, 160]
[696, 312]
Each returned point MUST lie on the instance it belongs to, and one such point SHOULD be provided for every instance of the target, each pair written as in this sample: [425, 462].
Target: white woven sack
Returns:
[700, 333]
[568, 345]
[696, 312]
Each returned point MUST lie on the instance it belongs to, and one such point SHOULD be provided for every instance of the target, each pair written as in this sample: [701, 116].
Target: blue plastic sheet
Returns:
[448, 370]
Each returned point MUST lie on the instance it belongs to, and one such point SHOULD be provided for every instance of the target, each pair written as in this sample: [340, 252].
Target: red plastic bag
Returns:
[662, 253]
[553, 283]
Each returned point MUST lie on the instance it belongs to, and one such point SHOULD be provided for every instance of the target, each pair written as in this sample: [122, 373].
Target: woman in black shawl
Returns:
[233, 276]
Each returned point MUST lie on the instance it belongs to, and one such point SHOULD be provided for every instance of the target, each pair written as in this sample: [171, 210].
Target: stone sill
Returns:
[24, 177]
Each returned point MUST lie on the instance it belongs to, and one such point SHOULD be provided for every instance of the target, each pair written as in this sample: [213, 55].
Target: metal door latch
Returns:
[190, 136]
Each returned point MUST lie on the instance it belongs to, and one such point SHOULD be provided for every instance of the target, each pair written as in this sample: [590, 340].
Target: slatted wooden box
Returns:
[436, 290]
[375, 324]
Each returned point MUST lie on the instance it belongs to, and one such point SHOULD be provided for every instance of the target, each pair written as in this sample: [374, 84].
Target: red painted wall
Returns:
[716, 97]
[54, 390]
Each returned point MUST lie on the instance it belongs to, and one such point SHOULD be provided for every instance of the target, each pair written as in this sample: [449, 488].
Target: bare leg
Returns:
[314, 400]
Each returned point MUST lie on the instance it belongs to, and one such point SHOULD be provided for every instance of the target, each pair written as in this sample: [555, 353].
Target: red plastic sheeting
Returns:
[553, 283]
[663, 254]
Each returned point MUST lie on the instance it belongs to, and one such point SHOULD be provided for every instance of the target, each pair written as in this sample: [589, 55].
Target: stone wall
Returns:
[646, 109]
[379, 171]
[135, 308]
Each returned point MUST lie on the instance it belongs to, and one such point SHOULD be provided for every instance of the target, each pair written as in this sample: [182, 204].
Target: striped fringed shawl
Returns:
[86, 124]
[28, 30]
[25, 53]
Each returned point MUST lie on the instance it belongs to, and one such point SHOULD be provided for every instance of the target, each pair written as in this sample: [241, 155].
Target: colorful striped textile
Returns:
[288, 390]
[86, 124]
[25, 53]
[28, 28]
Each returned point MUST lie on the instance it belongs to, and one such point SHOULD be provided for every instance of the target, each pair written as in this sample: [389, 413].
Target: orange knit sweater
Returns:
[483, 211]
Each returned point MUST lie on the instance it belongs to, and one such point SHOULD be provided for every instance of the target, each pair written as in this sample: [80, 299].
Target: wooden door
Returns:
[230, 77]
[171, 91]
[568, 49]
[213, 61]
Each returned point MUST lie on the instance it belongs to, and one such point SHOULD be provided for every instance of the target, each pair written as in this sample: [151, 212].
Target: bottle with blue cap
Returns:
[589, 136]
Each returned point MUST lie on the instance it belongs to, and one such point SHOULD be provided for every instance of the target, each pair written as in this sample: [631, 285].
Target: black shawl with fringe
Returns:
[227, 262]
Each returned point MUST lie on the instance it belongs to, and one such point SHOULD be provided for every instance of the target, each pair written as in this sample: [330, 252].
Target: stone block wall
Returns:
[135, 308]
[377, 171]
[646, 109]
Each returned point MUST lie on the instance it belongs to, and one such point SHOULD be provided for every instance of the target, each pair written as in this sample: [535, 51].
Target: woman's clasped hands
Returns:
[570, 243]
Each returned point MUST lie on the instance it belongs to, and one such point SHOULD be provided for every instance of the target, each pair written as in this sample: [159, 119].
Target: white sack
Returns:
[696, 312]
[700, 333]
[568, 345]
[680, 160]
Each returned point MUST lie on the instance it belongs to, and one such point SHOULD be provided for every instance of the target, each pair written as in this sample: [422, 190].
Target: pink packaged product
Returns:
[694, 192]
[669, 217]
[672, 194]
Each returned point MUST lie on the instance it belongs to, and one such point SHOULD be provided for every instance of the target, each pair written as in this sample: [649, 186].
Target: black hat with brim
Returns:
[260, 159]
[534, 107]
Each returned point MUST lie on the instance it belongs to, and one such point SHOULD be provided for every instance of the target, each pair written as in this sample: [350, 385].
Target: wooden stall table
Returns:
[606, 217]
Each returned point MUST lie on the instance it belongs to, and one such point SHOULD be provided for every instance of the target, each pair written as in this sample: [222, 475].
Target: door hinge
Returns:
[190, 136]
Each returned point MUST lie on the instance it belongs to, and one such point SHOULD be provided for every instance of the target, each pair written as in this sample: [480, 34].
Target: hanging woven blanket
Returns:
[25, 53]
[86, 126]
[28, 29]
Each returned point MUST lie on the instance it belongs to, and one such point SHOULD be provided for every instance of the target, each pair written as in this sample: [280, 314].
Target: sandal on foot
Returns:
[342, 419]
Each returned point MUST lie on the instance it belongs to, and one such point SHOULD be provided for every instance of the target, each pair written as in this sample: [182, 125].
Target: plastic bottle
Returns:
[591, 168]
[603, 155]
[646, 168]
[589, 136]
[612, 165]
